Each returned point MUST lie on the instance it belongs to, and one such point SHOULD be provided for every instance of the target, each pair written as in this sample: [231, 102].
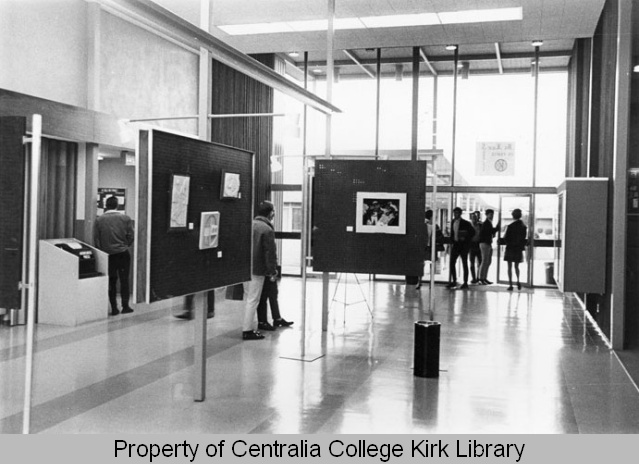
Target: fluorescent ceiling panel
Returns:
[422, 19]
[373, 22]
[481, 16]
[258, 28]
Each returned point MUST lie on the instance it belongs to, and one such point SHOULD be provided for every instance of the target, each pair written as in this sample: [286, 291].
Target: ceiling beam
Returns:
[499, 63]
[447, 59]
[354, 58]
[422, 53]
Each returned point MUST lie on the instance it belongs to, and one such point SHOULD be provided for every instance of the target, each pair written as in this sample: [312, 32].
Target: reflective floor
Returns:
[522, 362]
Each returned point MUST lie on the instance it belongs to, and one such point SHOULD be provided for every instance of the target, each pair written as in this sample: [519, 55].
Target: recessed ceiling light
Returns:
[293, 54]
[537, 43]
[317, 71]
[451, 47]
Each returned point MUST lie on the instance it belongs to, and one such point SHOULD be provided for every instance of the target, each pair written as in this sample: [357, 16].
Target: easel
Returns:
[345, 302]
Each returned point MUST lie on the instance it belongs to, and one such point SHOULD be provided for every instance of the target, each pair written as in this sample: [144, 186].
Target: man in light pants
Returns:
[264, 265]
[486, 234]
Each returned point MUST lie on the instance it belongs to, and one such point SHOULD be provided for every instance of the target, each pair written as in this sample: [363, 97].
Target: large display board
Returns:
[185, 181]
[368, 216]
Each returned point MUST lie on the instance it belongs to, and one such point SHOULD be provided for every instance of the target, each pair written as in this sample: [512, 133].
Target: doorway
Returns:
[507, 203]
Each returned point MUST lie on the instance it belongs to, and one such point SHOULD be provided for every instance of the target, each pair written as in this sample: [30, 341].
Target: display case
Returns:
[580, 261]
[72, 282]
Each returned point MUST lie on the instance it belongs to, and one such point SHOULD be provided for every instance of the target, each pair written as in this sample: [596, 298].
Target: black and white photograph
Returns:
[381, 213]
[360, 177]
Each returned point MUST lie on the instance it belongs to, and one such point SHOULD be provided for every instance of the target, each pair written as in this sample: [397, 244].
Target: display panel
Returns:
[345, 195]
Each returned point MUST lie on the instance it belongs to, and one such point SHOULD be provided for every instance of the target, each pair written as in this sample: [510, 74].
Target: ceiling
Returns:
[557, 22]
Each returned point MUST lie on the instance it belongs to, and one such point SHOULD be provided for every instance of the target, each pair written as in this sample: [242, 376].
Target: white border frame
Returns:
[400, 229]
[213, 242]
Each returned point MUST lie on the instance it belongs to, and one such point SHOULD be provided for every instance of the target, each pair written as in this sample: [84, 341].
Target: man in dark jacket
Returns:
[264, 266]
[486, 235]
[113, 234]
[461, 234]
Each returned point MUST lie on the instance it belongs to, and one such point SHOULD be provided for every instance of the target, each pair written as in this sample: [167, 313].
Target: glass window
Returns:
[551, 128]
[494, 136]
[545, 230]
[396, 107]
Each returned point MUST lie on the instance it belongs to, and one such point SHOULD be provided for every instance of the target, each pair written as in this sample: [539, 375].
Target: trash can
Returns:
[426, 356]
[550, 273]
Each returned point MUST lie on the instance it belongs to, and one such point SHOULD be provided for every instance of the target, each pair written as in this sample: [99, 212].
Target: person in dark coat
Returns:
[113, 234]
[515, 240]
[461, 234]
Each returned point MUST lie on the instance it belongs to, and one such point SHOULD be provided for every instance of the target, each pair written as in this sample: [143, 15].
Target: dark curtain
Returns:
[57, 188]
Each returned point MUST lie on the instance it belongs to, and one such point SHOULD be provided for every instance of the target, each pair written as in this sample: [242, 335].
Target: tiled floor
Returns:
[522, 362]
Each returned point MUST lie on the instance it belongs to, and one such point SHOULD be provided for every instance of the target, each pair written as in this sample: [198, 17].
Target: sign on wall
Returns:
[104, 193]
[495, 159]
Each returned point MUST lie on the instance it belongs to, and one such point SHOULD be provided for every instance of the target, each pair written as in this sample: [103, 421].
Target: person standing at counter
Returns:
[113, 234]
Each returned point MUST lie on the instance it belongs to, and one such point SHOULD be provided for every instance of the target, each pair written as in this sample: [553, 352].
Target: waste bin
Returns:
[550, 273]
[426, 356]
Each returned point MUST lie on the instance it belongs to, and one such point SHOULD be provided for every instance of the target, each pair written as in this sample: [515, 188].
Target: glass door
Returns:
[508, 203]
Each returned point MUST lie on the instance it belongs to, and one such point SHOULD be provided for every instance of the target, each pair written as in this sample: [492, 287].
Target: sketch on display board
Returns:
[381, 213]
[230, 185]
[180, 184]
[209, 230]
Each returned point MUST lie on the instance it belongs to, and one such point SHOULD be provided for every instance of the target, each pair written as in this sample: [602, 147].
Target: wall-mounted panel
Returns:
[146, 76]
[176, 264]
[583, 206]
[346, 239]
[43, 49]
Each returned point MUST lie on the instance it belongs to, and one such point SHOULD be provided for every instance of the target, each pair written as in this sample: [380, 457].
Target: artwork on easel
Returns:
[180, 184]
[209, 230]
[381, 213]
[230, 186]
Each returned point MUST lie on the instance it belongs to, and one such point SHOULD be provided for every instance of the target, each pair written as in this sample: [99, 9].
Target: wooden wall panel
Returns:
[12, 166]
[235, 93]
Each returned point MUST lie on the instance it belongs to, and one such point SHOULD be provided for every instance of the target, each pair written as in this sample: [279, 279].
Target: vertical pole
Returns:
[415, 125]
[306, 208]
[325, 283]
[531, 217]
[200, 300]
[199, 351]
[36, 134]
[435, 82]
[455, 74]
[433, 244]
[377, 100]
[329, 98]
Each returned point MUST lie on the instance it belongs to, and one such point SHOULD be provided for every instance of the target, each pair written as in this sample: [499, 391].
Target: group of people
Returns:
[385, 213]
[474, 239]
[113, 234]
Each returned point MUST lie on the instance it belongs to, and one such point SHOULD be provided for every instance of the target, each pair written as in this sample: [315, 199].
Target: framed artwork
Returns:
[230, 186]
[209, 230]
[381, 213]
[180, 184]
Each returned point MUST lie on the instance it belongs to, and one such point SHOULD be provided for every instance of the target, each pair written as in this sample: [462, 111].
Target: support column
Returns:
[199, 343]
[620, 172]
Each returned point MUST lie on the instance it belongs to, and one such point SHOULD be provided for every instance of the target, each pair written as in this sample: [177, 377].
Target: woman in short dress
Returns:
[515, 240]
